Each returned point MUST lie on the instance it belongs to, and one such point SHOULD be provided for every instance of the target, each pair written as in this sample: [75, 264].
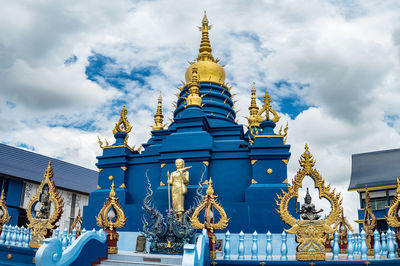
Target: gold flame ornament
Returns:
[77, 224]
[393, 218]
[44, 221]
[123, 124]
[254, 119]
[208, 204]
[311, 234]
[342, 226]
[110, 217]
[267, 108]
[369, 223]
[5, 217]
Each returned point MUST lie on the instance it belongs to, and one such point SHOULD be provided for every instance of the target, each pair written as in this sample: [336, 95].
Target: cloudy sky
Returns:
[331, 67]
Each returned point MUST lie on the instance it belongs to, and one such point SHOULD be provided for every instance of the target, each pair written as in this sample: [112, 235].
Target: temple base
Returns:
[310, 256]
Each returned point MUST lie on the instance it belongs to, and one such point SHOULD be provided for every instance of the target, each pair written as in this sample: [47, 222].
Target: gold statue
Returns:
[179, 180]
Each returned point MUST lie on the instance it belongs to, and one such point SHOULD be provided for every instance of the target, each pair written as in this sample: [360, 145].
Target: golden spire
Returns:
[254, 119]
[210, 189]
[158, 117]
[205, 46]
[194, 90]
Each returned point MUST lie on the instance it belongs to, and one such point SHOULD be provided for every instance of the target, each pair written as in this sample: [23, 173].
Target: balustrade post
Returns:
[350, 248]
[384, 251]
[268, 247]
[241, 246]
[13, 235]
[18, 237]
[284, 247]
[56, 233]
[73, 238]
[65, 239]
[390, 240]
[377, 245]
[227, 247]
[363, 246]
[254, 247]
[335, 246]
[3, 234]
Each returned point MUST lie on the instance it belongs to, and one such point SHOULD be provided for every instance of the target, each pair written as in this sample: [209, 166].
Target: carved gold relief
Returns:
[43, 222]
[392, 218]
[311, 234]
[5, 217]
[369, 223]
[77, 224]
[208, 204]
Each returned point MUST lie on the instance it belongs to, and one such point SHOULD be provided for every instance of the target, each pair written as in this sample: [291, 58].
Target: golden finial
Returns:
[210, 189]
[158, 117]
[123, 124]
[49, 171]
[307, 160]
[194, 90]
[254, 119]
[112, 191]
[267, 108]
[205, 47]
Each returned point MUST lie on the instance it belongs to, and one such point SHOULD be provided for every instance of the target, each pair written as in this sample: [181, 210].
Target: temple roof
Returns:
[375, 169]
[31, 166]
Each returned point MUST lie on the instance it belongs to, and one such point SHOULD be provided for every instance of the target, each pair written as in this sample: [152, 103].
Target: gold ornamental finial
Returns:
[267, 108]
[307, 160]
[112, 190]
[205, 46]
[158, 117]
[48, 174]
[194, 97]
[123, 124]
[254, 119]
[210, 189]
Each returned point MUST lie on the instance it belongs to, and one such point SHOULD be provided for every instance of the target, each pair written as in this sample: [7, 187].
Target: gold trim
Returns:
[372, 188]
[268, 136]
[122, 186]
[163, 164]
[206, 163]
[269, 171]
[101, 169]
[110, 177]
[285, 181]
[124, 168]
[253, 162]
[98, 187]
[285, 161]
[120, 146]
[162, 184]
[9, 256]
[253, 181]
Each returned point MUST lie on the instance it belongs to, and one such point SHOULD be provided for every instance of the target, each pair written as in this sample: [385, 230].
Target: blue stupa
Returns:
[248, 164]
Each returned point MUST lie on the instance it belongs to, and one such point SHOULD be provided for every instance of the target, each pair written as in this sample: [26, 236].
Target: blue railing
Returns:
[197, 254]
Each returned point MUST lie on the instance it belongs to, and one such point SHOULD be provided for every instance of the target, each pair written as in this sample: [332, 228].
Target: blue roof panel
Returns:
[31, 166]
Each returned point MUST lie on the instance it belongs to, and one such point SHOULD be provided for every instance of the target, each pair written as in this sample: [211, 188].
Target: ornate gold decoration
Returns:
[342, 226]
[122, 186]
[267, 108]
[369, 223]
[253, 181]
[124, 168]
[285, 161]
[254, 119]
[207, 67]
[311, 234]
[269, 171]
[5, 218]
[9, 256]
[163, 164]
[123, 124]
[285, 181]
[111, 216]
[206, 163]
[392, 218]
[110, 177]
[208, 204]
[100, 142]
[285, 133]
[77, 224]
[253, 162]
[162, 184]
[158, 117]
[194, 97]
[98, 187]
[44, 221]
[101, 169]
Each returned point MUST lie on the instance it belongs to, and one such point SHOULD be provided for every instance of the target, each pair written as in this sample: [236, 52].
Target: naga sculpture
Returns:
[393, 218]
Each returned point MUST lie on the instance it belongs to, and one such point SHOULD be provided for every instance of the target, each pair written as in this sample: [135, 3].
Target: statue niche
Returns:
[307, 209]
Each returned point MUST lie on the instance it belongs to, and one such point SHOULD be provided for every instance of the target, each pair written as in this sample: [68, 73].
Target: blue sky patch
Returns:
[11, 104]
[25, 146]
[71, 60]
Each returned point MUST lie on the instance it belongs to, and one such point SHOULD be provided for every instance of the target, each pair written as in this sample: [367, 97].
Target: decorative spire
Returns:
[254, 119]
[194, 90]
[158, 117]
[205, 47]
[48, 174]
[267, 108]
[210, 189]
[307, 160]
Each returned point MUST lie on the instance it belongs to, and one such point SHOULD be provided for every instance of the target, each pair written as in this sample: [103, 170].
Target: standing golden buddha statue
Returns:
[178, 180]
